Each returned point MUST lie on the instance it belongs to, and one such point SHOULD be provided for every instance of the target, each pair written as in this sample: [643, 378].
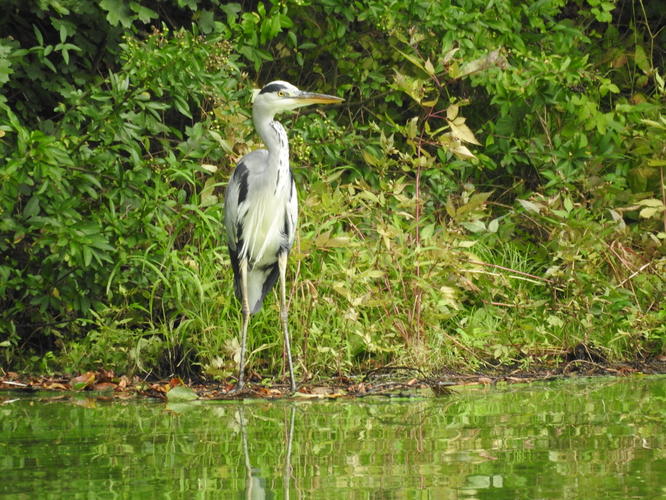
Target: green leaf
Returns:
[206, 20]
[427, 232]
[182, 106]
[430, 69]
[208, 197]
[412, 59]
[651, 202]
[143, 13]
[117, 12]
[476, 226]
[530, 206]
[87, 256]
[38, 35]
[32, 207]
[648, 212]
[191, 4]
[641, 59]
[477, 200]
[181, 393]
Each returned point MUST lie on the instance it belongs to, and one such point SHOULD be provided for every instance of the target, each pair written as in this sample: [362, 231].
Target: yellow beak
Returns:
[312, 98]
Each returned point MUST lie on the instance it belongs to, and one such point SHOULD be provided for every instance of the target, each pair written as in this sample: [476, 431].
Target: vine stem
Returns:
[417, 217]
[418, 292]
[663, 193]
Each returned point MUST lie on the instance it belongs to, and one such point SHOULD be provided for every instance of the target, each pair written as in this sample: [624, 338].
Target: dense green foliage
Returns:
[491, 191]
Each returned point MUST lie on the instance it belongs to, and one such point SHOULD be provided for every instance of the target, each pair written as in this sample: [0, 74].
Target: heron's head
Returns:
[279, 96]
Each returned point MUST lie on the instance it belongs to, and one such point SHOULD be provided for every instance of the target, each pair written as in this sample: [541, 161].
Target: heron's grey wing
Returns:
[266, 277]
[235, 206]
[291, 217]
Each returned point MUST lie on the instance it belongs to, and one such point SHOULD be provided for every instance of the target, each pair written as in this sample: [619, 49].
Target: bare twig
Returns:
[497, 266]
[631, 276]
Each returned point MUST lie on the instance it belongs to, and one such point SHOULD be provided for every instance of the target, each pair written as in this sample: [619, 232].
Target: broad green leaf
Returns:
[412, 59]
[651, 202]
[182, 106]
[144, 14]
[530, 206]
[32, 207]
[117, 12]
[463, 132]
[641, 59]
[38, 35]
[209, 168]
[427, 232]
[411, 129]
[207, 195]
[648, 212]
[181, 393]
[463, 152]
[87, 256]
[430, 69]
[476, 226]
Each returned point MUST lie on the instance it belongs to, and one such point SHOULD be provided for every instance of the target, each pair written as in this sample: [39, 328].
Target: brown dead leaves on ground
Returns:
[398, 381]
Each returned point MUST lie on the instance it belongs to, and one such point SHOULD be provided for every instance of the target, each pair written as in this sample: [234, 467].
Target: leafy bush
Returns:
[491, 192]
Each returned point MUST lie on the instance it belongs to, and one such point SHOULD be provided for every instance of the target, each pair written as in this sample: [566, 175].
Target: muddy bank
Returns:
[389, 381]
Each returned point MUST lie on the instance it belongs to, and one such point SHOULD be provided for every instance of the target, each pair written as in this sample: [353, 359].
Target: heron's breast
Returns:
[264, 230]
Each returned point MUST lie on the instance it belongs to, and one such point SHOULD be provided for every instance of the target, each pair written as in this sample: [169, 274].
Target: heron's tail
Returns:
[259, 283]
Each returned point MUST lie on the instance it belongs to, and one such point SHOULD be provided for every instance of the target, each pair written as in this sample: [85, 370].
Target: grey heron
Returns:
[261, 211]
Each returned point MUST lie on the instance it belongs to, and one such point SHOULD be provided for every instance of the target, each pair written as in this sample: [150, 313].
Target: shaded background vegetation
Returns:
[491, 192]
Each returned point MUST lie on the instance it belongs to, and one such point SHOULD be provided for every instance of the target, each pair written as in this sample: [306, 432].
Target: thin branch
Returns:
[631, 276]
[497, 266]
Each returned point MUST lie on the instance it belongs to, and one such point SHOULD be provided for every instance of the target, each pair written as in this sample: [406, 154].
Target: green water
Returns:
[587, 439]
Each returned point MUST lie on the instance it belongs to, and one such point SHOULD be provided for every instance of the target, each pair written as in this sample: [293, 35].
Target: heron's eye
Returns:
[282, 93]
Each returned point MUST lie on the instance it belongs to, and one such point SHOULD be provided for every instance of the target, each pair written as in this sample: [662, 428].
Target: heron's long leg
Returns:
[284, 314]
[245, 306]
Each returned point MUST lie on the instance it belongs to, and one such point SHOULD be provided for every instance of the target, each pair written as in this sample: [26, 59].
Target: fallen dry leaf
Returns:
[321, 390]
[160, 388]
[56, 386]
[268, 391]
[104, 386]
[360, 388]
[82, 381]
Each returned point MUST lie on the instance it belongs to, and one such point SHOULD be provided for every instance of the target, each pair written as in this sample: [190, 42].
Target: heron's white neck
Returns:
[275, 138]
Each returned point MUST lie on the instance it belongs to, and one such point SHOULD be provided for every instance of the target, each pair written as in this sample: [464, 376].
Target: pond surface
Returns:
[585, 438]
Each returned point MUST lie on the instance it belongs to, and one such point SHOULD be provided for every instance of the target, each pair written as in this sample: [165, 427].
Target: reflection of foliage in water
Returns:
[601, 438]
